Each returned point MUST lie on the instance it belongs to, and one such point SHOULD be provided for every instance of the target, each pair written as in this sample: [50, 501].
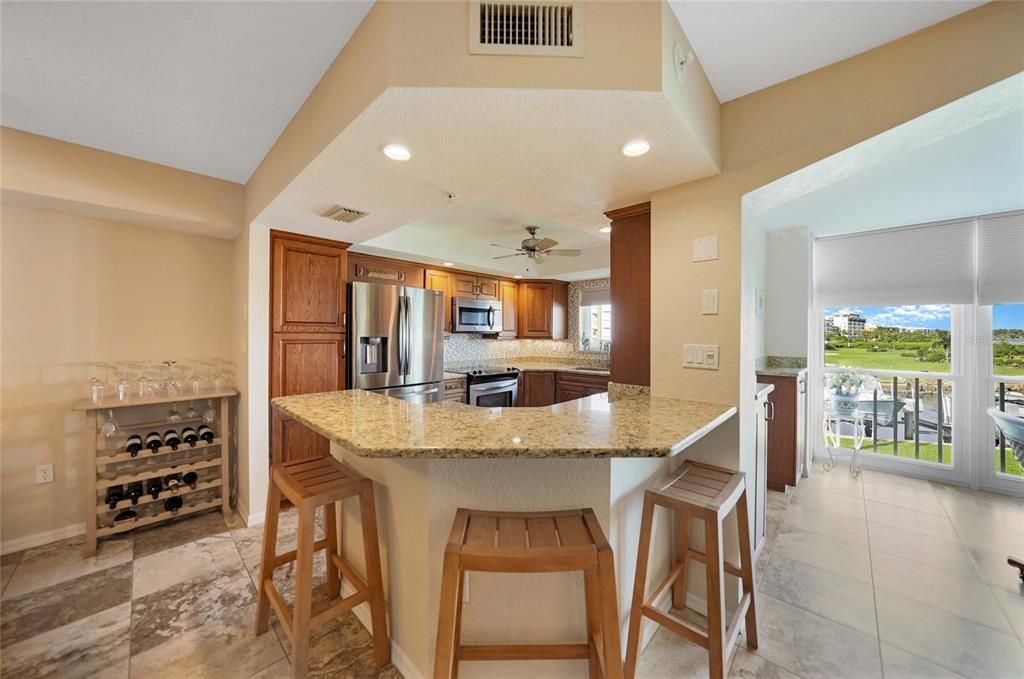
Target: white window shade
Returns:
[1001, 259]
[595, 297]
[927, 264]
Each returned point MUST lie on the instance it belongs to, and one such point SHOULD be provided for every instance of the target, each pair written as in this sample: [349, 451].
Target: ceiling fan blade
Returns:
[563, 253]
[517, 254]
[546, 244]
[495, 245]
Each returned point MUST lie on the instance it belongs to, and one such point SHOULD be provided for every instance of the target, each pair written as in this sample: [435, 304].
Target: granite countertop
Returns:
[781, 372]
[541, 366]
[372, 425]
[454, 376]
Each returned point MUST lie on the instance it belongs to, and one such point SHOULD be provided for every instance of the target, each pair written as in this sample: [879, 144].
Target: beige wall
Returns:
[771, 133]
[75, 291]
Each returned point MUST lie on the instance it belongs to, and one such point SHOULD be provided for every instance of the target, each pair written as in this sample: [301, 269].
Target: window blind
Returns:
[1001, 259]
[925, 264]
[595, 297]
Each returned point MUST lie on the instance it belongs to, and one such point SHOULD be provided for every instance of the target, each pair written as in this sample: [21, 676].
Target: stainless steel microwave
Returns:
[470, 314]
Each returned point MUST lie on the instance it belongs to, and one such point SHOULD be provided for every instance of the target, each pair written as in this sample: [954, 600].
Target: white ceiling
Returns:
[961, 160]
[747, 46]
[201, 86]
[508, 156]
[462, 233]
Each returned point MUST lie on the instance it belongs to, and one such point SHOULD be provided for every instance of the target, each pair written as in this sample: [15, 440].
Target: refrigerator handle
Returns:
[404, 334]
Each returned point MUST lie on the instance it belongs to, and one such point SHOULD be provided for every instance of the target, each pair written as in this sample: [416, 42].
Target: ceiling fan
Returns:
[536, 248]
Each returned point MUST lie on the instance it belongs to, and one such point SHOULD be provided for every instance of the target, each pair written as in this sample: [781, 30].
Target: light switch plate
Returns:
[709, 303]
[702, 356]
[705, 249]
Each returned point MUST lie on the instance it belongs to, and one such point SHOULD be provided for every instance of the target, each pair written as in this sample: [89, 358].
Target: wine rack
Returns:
[108, 467]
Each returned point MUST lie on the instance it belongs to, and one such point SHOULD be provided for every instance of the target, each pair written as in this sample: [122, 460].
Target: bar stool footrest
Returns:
[677, 625]
[525, 652]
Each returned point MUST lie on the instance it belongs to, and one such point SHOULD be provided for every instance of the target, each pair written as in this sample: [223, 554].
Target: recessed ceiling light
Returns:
[636, 147]
[517, 276]
[605, 229]
[448, 263]
[396, 152]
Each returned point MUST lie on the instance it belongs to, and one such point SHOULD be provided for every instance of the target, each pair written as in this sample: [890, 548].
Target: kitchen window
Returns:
[595, 320]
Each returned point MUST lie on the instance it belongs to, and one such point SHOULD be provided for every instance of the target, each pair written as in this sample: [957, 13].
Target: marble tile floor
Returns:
[881, 576]
[858, 578]
[176, 600]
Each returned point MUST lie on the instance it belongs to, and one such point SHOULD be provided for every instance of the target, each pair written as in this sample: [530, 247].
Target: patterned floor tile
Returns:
[177, 532]
[8, 563]
[60, 561]
[201, 558]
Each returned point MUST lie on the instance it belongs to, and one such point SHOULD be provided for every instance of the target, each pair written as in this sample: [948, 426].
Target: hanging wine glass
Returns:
[109, 431]
[171, 384]
[124, 385]
[210, 413]
[191, 413]
[173, 415]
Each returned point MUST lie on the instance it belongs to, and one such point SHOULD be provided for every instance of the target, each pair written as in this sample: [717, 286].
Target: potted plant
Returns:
[844, 386]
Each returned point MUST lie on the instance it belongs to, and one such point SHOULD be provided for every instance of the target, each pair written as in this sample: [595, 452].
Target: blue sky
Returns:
[930, 315]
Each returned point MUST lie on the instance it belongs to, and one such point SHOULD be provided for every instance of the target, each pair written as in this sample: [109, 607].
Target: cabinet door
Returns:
[442, 280]
[372, 269]
[507, 293]
[487, 288]
[463, 285]
[535, 300]
[569, 391]
[538, 389]
[303, 364]
[308, 286]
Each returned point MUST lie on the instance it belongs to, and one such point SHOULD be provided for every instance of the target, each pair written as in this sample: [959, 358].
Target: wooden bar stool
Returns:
[309, 484]
[530, 542]
[697, 490]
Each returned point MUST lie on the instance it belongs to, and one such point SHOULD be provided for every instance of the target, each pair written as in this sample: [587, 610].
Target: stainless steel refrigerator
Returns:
[396, 341]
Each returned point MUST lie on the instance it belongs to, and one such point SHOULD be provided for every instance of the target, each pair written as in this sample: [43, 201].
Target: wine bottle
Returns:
[205, 433]
[154, 486]
[173, 504]
[125, 514]
[114, 495]
[135, 491]
[189, 436]
[134, 444]
[173, 482]
[153, 441]
[171, 439]
[191, 478]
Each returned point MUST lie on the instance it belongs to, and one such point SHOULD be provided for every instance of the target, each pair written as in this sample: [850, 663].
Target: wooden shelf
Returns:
[104, 508]
[123, 526]
[163, 425]
[145, 454]
[112, 402]
[103, 484]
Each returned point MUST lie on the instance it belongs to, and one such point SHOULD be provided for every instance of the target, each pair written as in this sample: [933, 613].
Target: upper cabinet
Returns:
[542, 311]
[631, 294]
[470, 285]
[308, 284]
[370, 269]
[441, 281]
[507, 293]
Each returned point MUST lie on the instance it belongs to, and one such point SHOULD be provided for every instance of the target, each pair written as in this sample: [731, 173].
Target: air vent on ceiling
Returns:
[342, 214]
[526, 27]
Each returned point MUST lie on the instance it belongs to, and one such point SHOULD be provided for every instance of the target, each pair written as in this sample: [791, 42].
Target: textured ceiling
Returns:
[201, 86]
[747, 46]
[508, 155]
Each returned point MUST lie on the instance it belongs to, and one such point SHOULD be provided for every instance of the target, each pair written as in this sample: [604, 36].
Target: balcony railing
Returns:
[1008, 398]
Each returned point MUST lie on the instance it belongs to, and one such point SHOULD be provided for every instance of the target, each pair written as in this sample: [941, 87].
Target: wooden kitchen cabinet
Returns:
[469, 285]
[631, 294]
[570, 386]
[507, 294]
[442, 281]
[370, 269]
[308, 285]
[542, 311]
[455, 389]
[536, 389]
[787, 436]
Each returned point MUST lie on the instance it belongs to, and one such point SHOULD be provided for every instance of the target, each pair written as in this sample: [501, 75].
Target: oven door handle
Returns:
[505, 386]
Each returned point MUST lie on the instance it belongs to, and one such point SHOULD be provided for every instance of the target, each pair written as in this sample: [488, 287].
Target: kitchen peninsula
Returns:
[429, 459]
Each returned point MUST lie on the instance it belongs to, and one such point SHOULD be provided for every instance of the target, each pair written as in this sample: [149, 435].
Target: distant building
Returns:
[829, 325]
[851, 325]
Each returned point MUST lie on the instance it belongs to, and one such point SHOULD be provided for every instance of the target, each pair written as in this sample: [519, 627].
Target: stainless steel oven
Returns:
[494, 391]
[476, 315]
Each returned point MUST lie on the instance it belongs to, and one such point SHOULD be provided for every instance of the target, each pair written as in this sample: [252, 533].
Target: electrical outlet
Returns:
[44, 473]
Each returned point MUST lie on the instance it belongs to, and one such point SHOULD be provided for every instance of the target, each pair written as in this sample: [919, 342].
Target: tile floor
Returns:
[880, 576]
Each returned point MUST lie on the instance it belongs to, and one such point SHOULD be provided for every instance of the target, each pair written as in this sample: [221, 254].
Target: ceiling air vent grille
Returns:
[526, 27]
[342, 214]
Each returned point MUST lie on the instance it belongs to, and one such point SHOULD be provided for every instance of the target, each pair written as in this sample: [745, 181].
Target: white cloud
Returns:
[913, 316]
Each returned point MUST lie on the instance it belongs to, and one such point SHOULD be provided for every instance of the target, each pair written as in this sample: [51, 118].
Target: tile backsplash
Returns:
[463, 348]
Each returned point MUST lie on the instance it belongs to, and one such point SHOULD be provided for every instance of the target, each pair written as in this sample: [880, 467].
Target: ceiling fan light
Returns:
[605, 229]
[447, 263]
[636, 147]
[396, 152]
[517, 276]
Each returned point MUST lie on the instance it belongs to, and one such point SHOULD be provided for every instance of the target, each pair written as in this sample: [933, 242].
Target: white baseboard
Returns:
[44, 538]
[399, 659]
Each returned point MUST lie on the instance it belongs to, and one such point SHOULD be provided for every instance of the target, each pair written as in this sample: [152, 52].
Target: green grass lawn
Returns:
[891, 360]
[930, 452]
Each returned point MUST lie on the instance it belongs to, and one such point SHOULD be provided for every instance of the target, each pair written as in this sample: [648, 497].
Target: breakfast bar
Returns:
[427, 460]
